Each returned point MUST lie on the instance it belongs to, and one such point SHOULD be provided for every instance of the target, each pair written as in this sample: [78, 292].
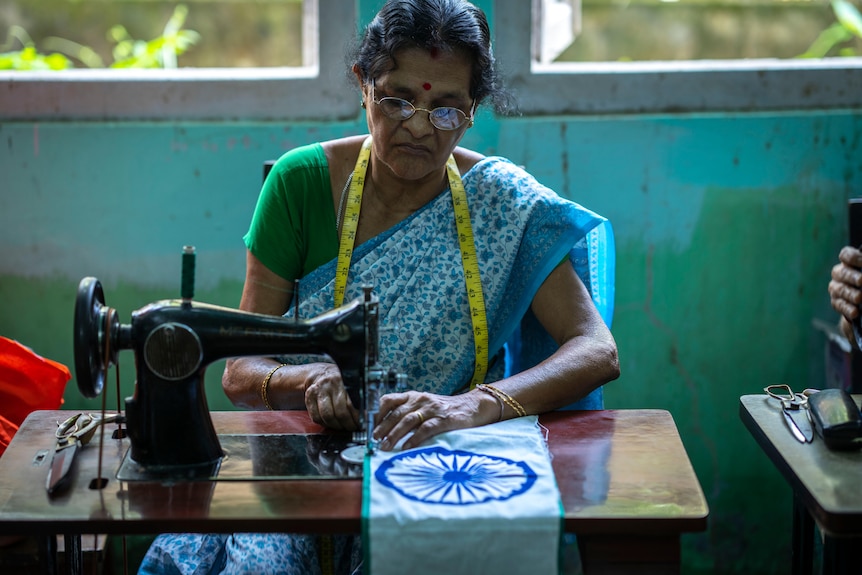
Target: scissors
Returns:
[72, 434]
[794, 407]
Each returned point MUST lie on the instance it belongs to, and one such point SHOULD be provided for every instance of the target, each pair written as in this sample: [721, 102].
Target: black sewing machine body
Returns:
[169, 425]
[174, 342]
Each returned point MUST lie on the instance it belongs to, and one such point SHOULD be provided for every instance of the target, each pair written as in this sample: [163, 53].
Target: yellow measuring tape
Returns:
[469, 260]
[350, 222]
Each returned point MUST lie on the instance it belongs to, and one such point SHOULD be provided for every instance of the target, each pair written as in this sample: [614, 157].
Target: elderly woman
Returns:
[486, 279]
[423, 68]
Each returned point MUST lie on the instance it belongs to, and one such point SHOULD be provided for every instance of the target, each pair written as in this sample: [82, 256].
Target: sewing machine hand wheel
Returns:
[95, 326]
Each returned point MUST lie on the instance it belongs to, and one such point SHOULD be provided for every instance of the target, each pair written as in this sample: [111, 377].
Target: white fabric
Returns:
[481, 500]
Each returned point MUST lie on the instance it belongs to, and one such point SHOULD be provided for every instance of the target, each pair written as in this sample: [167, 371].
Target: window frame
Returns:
[319, 90]
[314, 91]
[666, 87]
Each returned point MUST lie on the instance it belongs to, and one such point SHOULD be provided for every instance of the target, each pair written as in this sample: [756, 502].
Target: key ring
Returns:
[788, 398]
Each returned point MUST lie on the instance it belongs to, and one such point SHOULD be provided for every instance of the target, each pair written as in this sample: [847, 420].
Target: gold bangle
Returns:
[504, 397]
[265, 385]
[513, 403]
[483, 387]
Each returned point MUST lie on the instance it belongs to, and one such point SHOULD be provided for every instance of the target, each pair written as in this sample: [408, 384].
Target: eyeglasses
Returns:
[443, 118]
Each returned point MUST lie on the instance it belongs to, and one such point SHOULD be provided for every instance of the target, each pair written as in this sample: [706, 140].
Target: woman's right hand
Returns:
[327, 401]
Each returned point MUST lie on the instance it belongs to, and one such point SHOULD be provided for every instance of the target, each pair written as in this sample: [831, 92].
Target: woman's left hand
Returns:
[427, 415]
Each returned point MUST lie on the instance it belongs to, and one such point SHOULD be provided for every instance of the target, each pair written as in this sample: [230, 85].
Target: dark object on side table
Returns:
[836, 418]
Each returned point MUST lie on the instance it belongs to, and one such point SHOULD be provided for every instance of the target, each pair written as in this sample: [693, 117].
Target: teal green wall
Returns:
[726, 228]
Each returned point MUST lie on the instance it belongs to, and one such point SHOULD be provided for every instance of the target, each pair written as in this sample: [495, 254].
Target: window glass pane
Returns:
[219, 33]
[655, 30]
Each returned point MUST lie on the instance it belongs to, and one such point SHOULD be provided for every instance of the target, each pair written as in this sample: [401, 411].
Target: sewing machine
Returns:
[168, 421]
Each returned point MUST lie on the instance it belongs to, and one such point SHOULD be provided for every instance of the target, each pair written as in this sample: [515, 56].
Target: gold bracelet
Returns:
[483, 387]
[265, 385]
[502, 397]
[508, 399]
[513, 403]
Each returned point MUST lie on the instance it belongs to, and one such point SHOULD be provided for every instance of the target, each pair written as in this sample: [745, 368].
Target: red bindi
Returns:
[427, 86]
[434, 52]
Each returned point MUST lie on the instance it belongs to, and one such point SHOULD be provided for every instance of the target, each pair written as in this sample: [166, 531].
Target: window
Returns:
[315, 87]
[652, 30]
[549, 79]
[213, 33]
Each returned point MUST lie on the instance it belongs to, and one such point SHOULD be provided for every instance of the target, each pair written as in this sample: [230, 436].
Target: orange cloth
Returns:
[28, 382]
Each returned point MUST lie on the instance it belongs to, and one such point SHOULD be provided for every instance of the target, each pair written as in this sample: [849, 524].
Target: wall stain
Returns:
[564, 160]
[694, 416]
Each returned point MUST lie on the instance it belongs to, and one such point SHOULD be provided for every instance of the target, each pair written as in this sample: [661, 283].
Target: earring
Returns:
[362, 104]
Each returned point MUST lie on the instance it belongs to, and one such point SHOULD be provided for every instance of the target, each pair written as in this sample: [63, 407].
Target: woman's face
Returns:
[412, 149]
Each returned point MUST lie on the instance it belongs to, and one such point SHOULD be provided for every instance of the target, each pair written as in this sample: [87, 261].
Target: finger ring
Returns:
[421, 417]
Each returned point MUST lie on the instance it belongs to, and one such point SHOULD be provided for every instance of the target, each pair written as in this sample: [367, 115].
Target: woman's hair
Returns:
[430, 25]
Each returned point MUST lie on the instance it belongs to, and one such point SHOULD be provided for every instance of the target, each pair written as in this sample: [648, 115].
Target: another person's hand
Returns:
[327, 401]
[426, 415]
[845, 287]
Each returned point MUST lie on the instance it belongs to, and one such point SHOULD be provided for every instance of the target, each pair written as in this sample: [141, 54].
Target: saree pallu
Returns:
[522, 231]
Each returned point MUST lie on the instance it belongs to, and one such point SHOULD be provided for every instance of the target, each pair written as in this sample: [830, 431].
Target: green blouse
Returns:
[293, 231]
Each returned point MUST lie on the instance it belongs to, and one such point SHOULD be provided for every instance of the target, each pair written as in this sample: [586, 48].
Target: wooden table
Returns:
[826, 484]
[627, 487]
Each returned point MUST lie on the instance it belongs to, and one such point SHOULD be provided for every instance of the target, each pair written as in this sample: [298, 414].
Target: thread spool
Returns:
[187, 281]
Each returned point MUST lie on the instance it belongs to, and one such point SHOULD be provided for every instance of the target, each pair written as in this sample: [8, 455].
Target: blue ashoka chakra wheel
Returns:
[445, 477]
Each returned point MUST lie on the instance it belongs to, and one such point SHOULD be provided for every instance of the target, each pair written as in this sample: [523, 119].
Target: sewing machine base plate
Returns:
[260, 458]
